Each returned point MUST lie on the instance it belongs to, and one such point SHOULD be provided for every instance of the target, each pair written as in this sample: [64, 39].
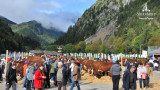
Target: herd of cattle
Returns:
[95, 68]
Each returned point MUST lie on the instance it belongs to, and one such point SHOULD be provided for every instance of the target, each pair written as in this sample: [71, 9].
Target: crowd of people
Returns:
[37, 77]
[63, 70]
[132, 73]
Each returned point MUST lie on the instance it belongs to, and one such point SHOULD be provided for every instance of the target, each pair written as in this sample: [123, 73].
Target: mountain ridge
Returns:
[7, 21]
[36, 31]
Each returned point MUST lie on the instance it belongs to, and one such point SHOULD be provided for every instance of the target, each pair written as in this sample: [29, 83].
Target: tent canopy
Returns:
[155, 52]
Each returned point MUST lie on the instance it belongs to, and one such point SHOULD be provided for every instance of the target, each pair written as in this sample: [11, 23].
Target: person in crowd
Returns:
[100, 58]
[39, 78]
[9, 64]
[35, 67]
[11, 79]
[65, 75]
[141, 75]
[129, 79]
[76, 76]
[47, 68]
[59, 75]
[24, 74]
[127, 65]
[1, 77]
[51, 62]
[156, 63]
[148, 58]
[151, 63]
[71, 67]
[148, 74]
[159, 63]
[30, 76]
[52, 71]
[69, 70]
[3, 64]
[115, 72]
[136, 66]
[56, 69]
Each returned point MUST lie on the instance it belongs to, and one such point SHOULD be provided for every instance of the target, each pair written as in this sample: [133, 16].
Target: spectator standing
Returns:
[30, 76]
[24, 74]
[11, 79]
[39, 78]
[151, 63]
[47, 68]
[56, 69]
[141, 75]
[3, 64]
[129, 79]
[71, 67]
[59, 75]
[65, 75]
[148, 74]
[159, 63]
[35, 69]
[136, 66]
[52, 71]
[115, 71]
[127, 65]
[76, 76]
[9, 64]
[156, 63]
[1, 77]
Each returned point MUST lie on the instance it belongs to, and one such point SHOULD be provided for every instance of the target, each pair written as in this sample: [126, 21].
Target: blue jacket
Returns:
[126, 78]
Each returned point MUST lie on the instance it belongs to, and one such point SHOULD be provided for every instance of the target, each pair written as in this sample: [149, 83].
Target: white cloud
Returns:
[44, 11]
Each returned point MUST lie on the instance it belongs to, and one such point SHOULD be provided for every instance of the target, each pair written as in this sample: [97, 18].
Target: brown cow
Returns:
[100, 67]
[87, 65]
[20, 64]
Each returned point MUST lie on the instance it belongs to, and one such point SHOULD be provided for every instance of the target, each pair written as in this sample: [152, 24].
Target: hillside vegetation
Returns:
[36, 31]
[127, 35]
[13, 42]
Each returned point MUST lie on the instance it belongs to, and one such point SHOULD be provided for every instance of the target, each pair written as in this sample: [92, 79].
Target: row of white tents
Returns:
[105, 56]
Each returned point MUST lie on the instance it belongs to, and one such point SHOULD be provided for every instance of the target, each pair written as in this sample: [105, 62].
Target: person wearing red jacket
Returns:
[39, 78]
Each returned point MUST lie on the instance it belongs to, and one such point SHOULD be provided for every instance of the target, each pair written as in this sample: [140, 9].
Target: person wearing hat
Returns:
[129, 79]
[76, 76]
[24, 73]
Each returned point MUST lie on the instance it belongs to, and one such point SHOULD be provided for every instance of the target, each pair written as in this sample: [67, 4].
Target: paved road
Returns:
[83, 85]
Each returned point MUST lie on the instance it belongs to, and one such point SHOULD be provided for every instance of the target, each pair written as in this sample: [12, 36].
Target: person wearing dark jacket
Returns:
[47, 68]
[129, 79]
[136, 66]
[1, 78]
[127, 64]
[115, 71]
[11, 79]
[65, 75]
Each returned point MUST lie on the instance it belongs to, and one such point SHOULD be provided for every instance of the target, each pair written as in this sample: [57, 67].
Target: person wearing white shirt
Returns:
[140, 75]
[71, 67]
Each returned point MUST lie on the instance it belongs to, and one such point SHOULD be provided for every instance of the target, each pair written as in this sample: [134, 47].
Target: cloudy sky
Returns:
[50, 13]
